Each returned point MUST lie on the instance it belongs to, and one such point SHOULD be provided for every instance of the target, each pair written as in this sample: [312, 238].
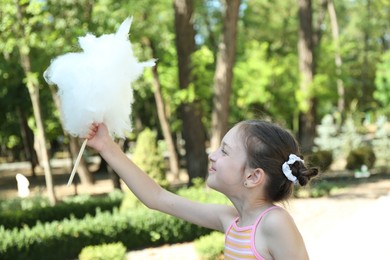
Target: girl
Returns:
[256, 166]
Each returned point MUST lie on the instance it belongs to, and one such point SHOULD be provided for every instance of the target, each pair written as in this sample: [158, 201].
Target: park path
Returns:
[354, 228]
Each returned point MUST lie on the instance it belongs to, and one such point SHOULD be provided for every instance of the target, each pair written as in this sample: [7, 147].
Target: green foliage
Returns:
[202, 75]
[135, 229]
[382, 82]
[113, 251]
[27, 212]
[322, 159]
[361, 156]
[148, 157]
[253, 75]
[210, 247]
[23, 203]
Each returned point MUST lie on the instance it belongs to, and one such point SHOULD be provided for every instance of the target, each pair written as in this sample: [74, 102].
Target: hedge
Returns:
[65, 239]
[78, 207]
[113, 251]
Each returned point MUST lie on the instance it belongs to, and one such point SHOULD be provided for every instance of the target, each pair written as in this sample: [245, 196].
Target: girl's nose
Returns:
[212, 156]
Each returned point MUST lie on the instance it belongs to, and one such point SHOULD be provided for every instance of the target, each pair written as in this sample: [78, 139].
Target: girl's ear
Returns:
[255, 177]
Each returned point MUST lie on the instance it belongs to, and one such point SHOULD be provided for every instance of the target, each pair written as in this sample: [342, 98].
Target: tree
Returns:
[28, 140]
[193, 132]
[161, 112]
[24, 34]
[337, 56]
[224, 73]
[14, 98]
[307, 116]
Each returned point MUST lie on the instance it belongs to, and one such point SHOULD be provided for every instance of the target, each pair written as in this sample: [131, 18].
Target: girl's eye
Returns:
[223, 151]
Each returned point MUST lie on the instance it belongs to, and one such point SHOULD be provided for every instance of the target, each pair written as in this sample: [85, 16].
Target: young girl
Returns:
[256, 165]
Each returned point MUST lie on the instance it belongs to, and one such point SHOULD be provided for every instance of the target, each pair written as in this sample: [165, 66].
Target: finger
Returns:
[93, 127]
[91, 131]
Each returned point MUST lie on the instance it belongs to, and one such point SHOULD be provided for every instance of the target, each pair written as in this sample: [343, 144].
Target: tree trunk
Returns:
[33, 89]
[173, 157]
[28, 141]
[224, 74]
[193, 131]
[162, 116]
[365, 65]
[307, 116]
[319, 23]
[337, 57]
[86, 177]
[34, 95]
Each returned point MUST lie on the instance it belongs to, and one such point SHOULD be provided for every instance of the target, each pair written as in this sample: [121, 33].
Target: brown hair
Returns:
[268, 146]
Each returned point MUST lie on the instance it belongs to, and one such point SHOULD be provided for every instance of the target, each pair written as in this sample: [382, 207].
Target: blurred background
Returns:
[320, 68]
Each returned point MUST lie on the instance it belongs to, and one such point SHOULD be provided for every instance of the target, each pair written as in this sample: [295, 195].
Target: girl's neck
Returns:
[249, 212]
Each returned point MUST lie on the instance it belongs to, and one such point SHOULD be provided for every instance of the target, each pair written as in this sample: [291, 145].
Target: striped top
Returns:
[240, 241]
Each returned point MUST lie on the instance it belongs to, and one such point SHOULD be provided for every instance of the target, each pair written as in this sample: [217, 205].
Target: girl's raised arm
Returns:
[150, 193]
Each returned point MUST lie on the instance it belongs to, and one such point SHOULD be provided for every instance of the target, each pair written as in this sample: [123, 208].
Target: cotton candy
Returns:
[95, 85]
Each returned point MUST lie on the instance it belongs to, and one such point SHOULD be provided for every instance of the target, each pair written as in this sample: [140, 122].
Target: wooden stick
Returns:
[76, 164]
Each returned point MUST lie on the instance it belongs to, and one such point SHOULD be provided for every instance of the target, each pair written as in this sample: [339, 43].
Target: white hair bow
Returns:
[287, 170]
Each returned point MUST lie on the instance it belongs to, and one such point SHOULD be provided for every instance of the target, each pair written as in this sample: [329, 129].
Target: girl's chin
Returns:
[210, 181]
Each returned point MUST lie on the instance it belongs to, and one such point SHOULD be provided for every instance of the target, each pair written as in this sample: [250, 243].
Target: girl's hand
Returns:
[92, 131]
[98, 136]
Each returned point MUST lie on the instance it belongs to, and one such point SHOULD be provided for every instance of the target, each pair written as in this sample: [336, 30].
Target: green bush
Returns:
[14, 215]
[130, 202]
[24, 203]
[322, 159]
[65, 239]
[211, 246]
[361, 156]
[113, 251]
[148, 157]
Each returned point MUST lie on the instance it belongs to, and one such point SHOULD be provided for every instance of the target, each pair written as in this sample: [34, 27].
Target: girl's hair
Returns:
[268, 146]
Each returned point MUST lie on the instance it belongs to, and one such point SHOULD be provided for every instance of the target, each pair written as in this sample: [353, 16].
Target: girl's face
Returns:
[227, 164]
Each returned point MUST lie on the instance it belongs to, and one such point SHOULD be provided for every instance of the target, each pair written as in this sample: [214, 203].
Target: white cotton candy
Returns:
[95, 85]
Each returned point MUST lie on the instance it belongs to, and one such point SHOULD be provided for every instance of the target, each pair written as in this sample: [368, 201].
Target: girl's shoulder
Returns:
[278, 235]
[276, 221]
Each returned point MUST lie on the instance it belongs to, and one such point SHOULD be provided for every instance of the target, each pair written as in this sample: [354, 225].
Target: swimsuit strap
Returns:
[262, 215]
